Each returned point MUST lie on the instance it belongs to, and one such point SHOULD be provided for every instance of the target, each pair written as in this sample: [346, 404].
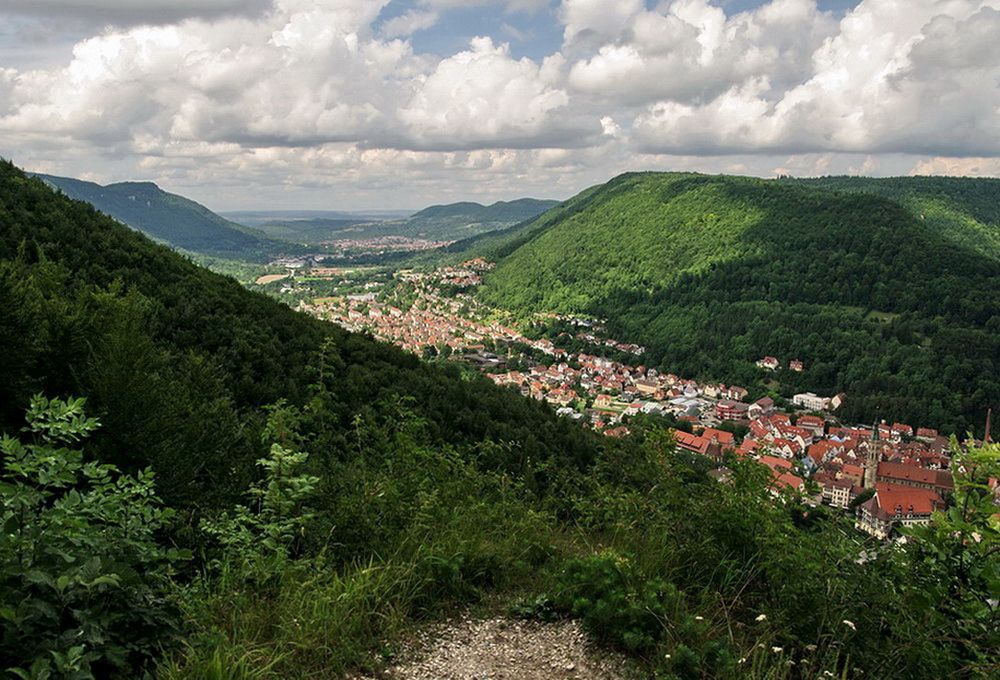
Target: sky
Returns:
[398, 104]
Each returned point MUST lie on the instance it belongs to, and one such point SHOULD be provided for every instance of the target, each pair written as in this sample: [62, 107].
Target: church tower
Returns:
[987, 438]
[871, 464]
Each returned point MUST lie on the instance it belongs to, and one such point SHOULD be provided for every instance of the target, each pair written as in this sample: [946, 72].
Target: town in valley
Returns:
[888, 474]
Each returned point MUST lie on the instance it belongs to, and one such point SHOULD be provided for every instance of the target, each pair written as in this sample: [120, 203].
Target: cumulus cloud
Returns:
[310, 92]
[874, 86]
[482, 95]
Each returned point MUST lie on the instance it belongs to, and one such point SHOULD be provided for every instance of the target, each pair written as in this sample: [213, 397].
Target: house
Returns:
[734, 392]
[900, 430]
[728, 409]
[855, 473]
[710, 443]
[776, 464]
[796, 365]
[926, 434]
[646, 386]
[786, 481]
[724, 439]
[770, 363]
[813, 424]
[837, 492]
[761, 407]
[603, 401]
[810, 401]
[895, 506]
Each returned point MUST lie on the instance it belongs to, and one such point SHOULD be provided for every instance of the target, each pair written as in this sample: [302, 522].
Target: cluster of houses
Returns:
[774, 364]
[905, 472]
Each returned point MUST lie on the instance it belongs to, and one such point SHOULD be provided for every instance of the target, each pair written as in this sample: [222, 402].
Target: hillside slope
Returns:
[177, 361]
[171, 219]
[963, 209]
[711, 273]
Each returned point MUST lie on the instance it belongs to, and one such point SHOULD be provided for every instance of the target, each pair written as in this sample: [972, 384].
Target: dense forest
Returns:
[712, 273]
[197, 482]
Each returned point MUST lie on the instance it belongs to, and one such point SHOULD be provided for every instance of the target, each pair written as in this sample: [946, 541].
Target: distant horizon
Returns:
[318, 211]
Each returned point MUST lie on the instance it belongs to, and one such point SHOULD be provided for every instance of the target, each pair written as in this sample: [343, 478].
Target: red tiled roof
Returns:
[895, 499]
[912, 473]
[776, 463]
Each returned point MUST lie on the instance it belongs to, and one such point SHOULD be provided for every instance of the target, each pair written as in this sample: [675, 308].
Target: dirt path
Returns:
[504, 649]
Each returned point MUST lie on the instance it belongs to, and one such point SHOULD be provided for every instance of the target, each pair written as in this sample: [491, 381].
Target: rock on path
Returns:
[504, 649]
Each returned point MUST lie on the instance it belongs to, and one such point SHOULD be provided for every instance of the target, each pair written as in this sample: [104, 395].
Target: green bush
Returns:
[82, 578]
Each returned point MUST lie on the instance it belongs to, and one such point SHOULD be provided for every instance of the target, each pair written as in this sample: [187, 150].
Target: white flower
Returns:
[850, 624]
[776, 650]
[743, 659]
[976, 536]
[828, 674]
[666, 656]
[762, 617]
[810, 648]
[699, 618]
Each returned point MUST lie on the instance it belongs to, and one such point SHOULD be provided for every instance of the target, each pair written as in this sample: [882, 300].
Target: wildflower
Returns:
[699, 618]
[776, 650]
[810, 648]
[666, 656]
[743, 659]
[762, 617]
[850, 624]
[977, 537]
[827, 674]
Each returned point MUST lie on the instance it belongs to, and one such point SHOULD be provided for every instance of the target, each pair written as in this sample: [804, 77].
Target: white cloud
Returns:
[322, 93]
[482, 95]
[872, 88]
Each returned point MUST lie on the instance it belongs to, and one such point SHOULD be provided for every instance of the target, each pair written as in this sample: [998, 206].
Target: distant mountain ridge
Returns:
[451, 222]
[171, 219]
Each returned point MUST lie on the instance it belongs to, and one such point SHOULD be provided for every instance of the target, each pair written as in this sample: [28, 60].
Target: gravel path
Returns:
[504, 649]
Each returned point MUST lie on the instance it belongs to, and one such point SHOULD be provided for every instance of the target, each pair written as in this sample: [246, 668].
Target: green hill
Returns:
[713, 272]
[463, 220]
[172, 219]
[161, 346]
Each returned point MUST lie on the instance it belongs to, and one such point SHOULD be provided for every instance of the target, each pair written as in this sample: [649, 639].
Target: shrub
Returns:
[82, 577]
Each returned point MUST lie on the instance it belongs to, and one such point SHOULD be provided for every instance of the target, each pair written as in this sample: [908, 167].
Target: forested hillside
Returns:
[313, 495]
[172, 219]
[173, 357]
[963, 209]
[712, 273]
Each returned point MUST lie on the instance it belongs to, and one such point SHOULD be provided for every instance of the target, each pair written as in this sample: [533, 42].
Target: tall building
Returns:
[872, 461]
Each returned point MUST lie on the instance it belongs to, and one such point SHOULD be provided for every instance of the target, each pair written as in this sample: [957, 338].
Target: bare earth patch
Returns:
[504, 649]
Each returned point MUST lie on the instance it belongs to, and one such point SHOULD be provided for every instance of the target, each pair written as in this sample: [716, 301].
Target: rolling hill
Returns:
[462, 220]
[713, 272]
[172, 219]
